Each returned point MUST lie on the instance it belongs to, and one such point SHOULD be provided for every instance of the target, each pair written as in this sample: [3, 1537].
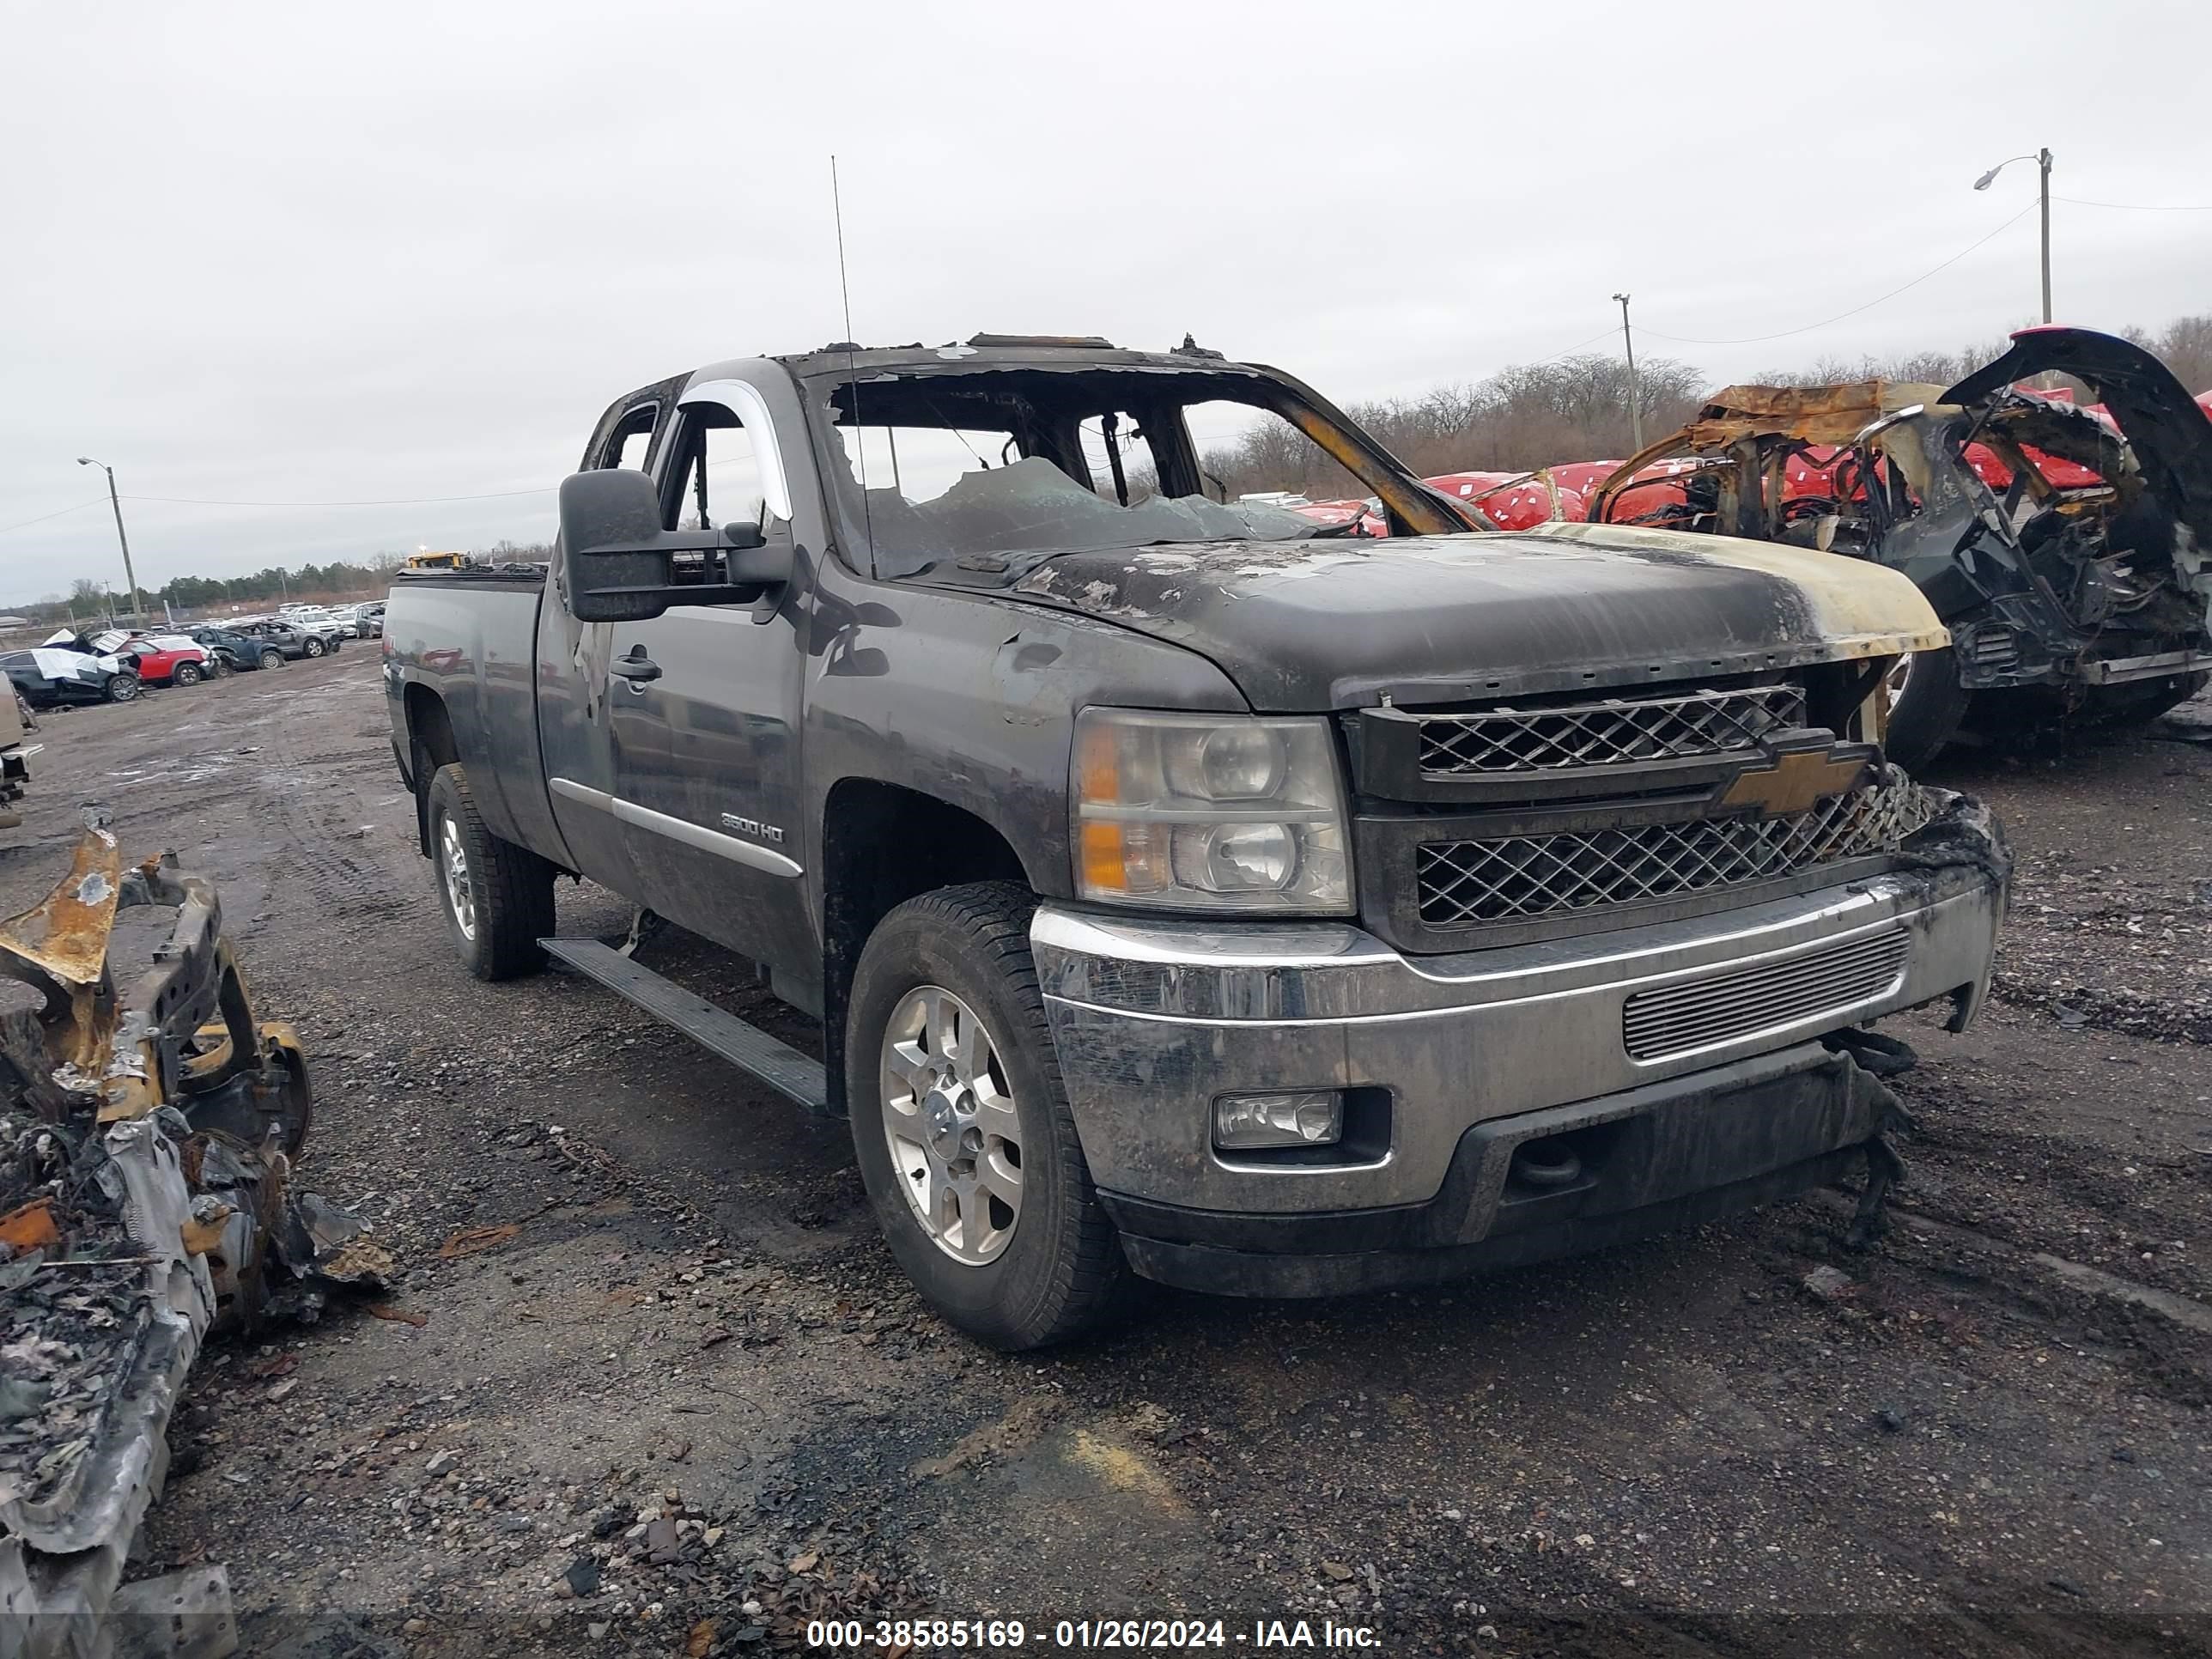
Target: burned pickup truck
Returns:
[1182, 889]
[2067, 550]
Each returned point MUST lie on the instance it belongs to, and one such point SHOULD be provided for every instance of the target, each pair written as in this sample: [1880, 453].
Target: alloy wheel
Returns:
[453, 869]
[949, 1115]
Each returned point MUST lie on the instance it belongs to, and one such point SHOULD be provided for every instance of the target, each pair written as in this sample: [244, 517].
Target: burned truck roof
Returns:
[1060, 352]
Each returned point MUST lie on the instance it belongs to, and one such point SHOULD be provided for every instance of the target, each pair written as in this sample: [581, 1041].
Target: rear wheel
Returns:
[313, 647]
[186, 673]
[122, 688]
[1926, 703]
[961, 1128]
[272, 657]
[498, 898]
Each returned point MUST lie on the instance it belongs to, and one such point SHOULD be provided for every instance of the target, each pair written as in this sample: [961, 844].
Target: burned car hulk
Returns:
[1184, 892]
[2071, 562]
[149, 1125]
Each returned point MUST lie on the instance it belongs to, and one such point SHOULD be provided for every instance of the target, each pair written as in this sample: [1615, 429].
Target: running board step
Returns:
[779, 1064]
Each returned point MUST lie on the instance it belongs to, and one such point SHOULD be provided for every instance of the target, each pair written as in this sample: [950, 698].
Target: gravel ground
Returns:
[649, 1383]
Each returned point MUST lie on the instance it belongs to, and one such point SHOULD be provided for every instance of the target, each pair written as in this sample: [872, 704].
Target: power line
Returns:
[1755, 339]
[1539, 361]
[96, 502]
[2134, 207]
[397, 500]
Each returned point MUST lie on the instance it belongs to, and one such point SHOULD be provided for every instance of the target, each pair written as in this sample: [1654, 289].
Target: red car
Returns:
[157, 658]
[1333, 513]
[1511, 500]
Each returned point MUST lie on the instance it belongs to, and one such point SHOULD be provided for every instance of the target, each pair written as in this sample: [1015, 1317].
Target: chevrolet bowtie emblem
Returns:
[1794, 780]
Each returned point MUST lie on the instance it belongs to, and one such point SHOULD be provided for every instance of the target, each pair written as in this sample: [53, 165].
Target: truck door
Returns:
[710, 790]
[585, 719]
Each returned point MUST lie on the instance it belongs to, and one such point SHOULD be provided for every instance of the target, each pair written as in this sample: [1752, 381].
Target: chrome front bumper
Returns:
[1153, 1019]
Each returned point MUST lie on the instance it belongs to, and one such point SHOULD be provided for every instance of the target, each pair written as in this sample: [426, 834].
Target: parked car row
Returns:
[352, 622]
[270, 641]
[115, 666]
[112, 666]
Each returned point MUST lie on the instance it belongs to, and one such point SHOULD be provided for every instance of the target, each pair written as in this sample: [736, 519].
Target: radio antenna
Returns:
[851, 371]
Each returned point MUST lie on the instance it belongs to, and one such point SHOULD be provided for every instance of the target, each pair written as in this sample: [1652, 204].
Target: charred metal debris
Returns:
[148, 1130]
[2068, 549]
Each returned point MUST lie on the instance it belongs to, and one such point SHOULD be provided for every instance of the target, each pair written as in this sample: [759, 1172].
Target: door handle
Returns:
[637, 668]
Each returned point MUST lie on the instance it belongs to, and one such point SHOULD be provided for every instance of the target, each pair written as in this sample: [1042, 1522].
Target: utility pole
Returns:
[115, 500]
[1635, 392]
[2042, 160]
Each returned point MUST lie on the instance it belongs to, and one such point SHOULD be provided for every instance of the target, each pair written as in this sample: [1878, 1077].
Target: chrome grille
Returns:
[1701, 1013]
[1464, 883]
[1609, 734]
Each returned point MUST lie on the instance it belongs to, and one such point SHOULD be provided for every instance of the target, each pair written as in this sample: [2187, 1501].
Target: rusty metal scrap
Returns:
[1810, 413]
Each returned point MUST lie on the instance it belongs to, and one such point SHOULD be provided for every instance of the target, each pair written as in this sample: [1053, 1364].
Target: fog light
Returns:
[1246, 1123]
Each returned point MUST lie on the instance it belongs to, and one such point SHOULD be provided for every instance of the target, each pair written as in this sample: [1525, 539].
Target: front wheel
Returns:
[272, 657]
[186, 673]
[498, 898]
[122, 688]
[313, 648]
[1926, 703]
[961, 1128]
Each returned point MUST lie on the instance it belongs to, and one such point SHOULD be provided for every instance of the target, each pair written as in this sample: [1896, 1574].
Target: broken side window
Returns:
[632, 442]
[1244, 452]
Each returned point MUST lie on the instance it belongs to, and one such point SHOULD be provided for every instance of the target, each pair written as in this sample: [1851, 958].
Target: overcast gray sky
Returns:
[306, 253]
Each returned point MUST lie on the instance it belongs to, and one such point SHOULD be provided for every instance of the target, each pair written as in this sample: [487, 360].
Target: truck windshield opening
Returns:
[1021, 464]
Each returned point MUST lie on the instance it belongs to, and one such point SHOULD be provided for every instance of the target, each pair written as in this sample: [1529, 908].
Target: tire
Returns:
[272, 657]
[186, 673]
[1049, 1271]
[313, 648]
[497, 897]
[123, 688]
[1926, 705]
[219, 667]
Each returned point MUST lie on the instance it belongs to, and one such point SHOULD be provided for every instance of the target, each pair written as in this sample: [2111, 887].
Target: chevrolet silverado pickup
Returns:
[1186, 889]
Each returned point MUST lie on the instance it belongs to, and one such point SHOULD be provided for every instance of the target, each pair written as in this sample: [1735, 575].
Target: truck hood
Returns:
[1314, 625]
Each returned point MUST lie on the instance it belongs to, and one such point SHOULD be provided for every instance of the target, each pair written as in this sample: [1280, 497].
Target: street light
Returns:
[116, 501]
[1635, 396]
[2042, 158]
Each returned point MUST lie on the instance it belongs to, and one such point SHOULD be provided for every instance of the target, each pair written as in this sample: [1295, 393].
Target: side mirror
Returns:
[619, 565]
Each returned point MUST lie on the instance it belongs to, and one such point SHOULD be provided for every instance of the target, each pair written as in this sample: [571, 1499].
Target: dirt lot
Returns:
[661, 1390]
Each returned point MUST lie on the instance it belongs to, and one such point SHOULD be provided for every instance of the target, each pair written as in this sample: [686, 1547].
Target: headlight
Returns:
[1209, 812]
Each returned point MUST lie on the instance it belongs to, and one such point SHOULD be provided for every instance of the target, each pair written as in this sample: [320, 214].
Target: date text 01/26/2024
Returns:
[993, 1635]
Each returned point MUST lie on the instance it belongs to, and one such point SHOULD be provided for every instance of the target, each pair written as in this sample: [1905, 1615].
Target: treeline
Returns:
[275, 584]
[338, 578]
[1577, 409]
